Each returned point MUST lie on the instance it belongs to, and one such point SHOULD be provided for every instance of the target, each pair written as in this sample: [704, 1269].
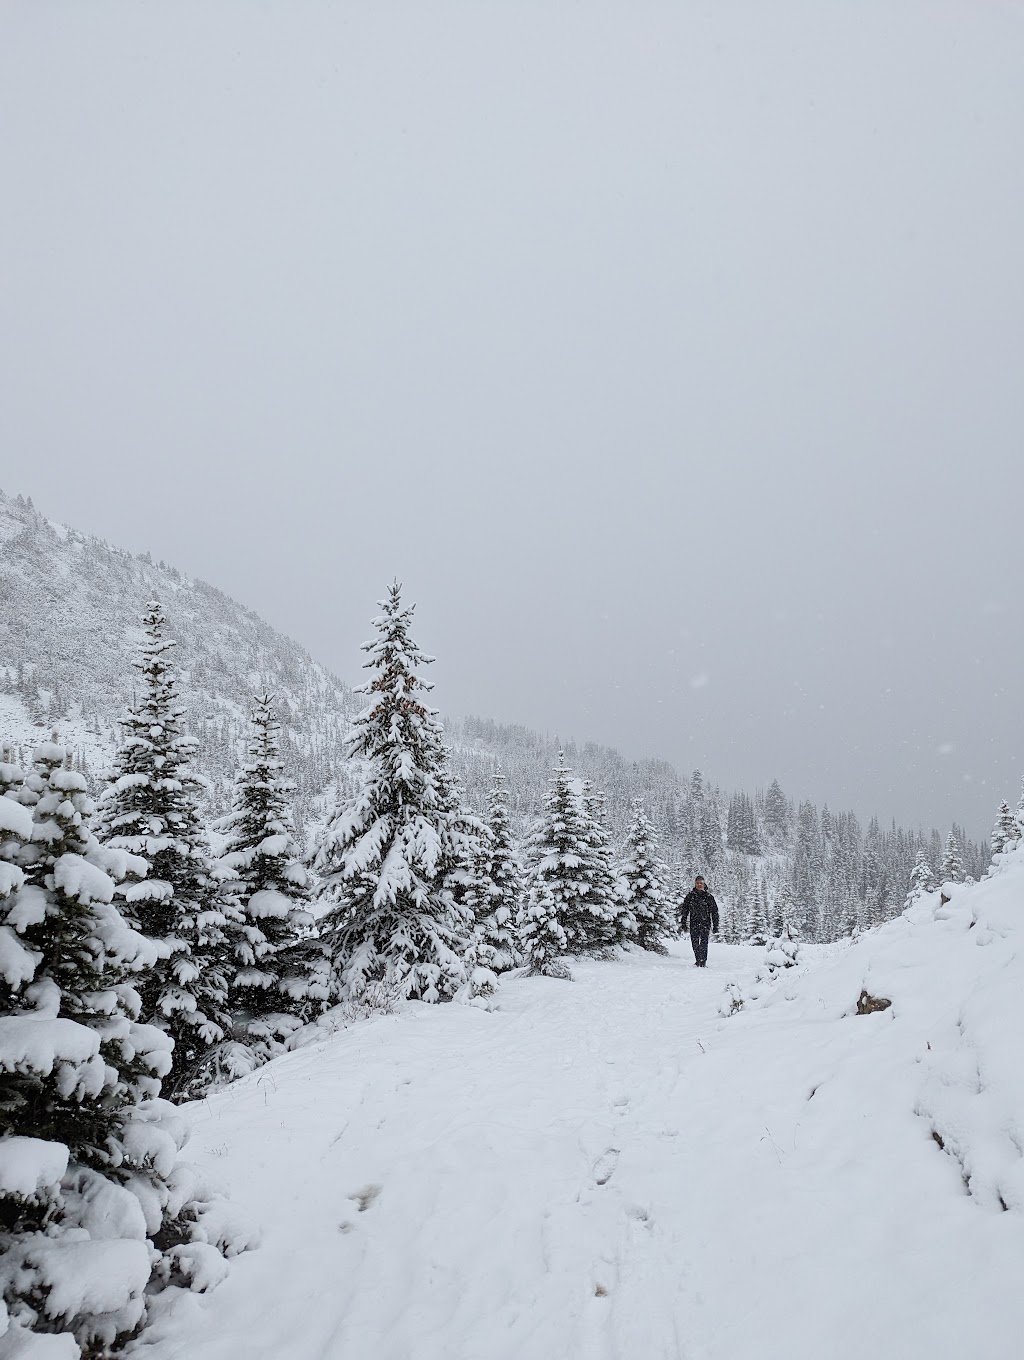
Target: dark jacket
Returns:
[700, 910]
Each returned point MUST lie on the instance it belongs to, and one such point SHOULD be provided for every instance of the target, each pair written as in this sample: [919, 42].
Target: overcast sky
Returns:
[672, 354]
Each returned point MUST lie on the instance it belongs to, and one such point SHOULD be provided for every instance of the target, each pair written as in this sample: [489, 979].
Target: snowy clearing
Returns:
[609, 1169]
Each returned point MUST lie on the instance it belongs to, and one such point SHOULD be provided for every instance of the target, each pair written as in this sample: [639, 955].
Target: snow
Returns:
[82, 880]
[17, 964]
[20, 1345]
[28, 1165]
[610, 1168]
[11, 879]
[15, 819]
[39, 1044]
[89, 1277]
[269, 903]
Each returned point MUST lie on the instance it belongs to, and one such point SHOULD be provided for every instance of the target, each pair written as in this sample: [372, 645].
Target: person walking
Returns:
[700, 910]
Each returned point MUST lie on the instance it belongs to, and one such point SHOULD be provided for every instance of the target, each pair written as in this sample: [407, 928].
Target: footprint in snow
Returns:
[366, 1198]
[604, 1167]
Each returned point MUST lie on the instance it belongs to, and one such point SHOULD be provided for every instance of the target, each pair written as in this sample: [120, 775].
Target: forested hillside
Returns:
[69, 631]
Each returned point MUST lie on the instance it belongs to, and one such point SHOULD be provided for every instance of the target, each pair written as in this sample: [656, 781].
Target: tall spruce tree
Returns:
[150, 810]
[952, 869]
[1006, 832]
[277, 979]
[776, 816]
[92, 1192]
[606, 920]
[556, 918]
[645, 880]
[756, 922]
[499, 881]
[391, 922]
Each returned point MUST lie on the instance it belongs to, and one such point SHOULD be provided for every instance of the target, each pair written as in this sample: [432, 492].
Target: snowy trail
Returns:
[602, 1170]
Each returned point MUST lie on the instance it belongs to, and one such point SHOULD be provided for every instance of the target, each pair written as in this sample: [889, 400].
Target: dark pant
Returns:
[699, 939]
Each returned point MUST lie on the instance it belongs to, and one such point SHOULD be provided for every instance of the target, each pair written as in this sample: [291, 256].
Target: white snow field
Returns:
[610, 1170]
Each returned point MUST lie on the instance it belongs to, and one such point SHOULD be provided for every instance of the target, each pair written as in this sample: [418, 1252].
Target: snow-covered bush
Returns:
[783, 952]
[481, 985]
[780, 954]
[733, 1000]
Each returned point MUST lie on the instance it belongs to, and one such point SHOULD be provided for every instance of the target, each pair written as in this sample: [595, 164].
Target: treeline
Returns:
[824, 871]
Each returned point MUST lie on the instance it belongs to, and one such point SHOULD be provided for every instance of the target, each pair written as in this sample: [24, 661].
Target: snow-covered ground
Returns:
[610, 1169]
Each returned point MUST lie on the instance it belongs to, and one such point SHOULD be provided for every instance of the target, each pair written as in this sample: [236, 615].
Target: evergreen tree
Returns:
[556, 917]
[783, 952]
[806, 870]
[481, 985]
[150, 810]
[645, 878]
[920, 879]
[276, 973]
[500, 891]
[96, 1193]
[605, 921]
[708, 827]
[776, 816]
[1006, 832]
[951, 869]
[851, 913]
[781, 909]
[391, 921]
[742, 832]
[465, 853]
[757, 925]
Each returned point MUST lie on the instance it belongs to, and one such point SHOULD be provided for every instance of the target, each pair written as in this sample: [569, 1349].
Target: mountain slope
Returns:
[69, 632]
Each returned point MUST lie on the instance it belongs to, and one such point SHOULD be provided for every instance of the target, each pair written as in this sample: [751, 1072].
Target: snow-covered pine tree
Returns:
[645, 878]
[481, 985]
[783, 952]
[150, 810]
[606, 920]
[555, 915]
[1006, 832]
[781, 910]
[466, 847]
[500, 884]
[96, 1215]
[277, 976]
[391, 923]
[920, 879]
[951, 870]
[757, 924]
[776, 816]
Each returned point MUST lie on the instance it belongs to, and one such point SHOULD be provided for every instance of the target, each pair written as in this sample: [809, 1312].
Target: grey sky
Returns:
[672, 354]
